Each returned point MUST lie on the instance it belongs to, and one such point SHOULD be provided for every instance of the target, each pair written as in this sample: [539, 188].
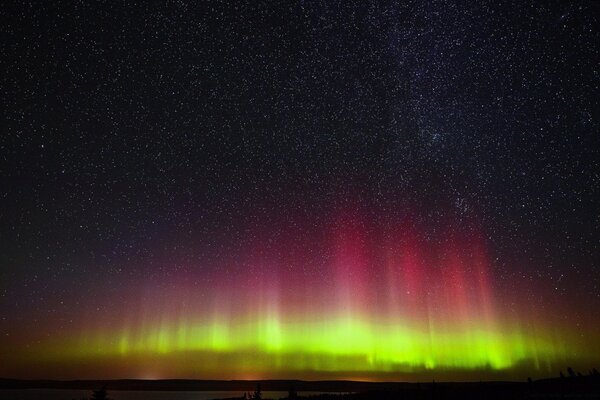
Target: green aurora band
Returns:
[400, 308]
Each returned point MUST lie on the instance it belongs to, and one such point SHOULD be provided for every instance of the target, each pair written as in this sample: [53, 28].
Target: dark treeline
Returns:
[575, 385]
[570, 385]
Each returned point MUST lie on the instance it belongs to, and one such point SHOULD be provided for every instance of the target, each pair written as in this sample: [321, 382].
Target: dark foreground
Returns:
[574, 387]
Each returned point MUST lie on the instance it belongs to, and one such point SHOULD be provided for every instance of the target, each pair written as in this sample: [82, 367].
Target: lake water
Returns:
[62, 394]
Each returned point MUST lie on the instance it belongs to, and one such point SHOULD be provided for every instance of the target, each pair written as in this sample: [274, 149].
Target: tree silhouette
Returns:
[100, 394]
[257, 393]
[292, 394]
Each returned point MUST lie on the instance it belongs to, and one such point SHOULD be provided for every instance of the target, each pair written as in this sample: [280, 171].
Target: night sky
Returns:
[333, 189]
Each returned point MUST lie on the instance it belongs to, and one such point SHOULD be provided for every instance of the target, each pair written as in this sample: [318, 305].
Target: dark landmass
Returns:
[565, 387]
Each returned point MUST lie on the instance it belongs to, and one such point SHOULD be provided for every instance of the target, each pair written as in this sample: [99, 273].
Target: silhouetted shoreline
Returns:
[571, 387]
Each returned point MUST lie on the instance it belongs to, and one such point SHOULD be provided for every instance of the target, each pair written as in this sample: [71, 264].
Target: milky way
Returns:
[300, 190]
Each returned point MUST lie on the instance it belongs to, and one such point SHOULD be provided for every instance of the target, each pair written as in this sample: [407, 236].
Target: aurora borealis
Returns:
[385, 301]
[300, 191]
